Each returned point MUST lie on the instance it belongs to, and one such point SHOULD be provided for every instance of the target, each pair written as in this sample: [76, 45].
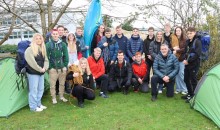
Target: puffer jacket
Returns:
[135, 44]
[112, 46]
[154, 48]
[166, 67]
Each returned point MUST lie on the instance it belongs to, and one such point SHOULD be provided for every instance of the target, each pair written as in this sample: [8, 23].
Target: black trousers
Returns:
[190, 78]
[82, 93]
[155, 80]
[118, 84]
[103, 82]
[143, 87]
[149, 66]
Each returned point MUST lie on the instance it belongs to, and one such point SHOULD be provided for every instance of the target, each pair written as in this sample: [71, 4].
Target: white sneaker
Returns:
[43, 107]
[63, 99]
[176, 92]
[54, 100]
[184, 93]
[38, 109]
[160, 91]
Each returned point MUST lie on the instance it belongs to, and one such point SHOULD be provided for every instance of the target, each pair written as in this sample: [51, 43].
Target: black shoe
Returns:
[153, 98]
[188, 99]
[103, 95]
[80, 104]
[185, 96]
[125, 92]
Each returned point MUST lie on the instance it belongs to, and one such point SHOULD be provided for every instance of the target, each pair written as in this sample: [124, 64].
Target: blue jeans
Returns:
[36, 90]
[180, 84]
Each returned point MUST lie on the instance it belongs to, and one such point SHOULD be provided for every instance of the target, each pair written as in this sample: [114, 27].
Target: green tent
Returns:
[13, 91]
[207, 95]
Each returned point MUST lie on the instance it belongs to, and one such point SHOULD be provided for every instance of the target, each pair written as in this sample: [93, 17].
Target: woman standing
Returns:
[73, 48]
[81, 81]
[180, 53]
[97, 37]
[37, 64]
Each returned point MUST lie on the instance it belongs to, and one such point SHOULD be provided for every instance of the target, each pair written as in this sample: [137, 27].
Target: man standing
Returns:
[96, 65]
[192, 62]
[120, 74]
[135, 44]
[80, 38]
[140, 73]
[147, 41]
[166, 67]
[58, 60]
[61, 32]
[122, 41]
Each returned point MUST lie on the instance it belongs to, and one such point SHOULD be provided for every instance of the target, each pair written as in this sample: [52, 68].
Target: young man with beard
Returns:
[166, 67]
[120, 74]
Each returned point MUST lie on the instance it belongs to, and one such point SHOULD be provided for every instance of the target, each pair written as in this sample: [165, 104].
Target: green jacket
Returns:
[57, 54]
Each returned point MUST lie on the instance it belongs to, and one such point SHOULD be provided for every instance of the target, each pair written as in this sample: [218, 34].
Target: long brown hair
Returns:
[162, 40]
[71, 46]
[183, 35]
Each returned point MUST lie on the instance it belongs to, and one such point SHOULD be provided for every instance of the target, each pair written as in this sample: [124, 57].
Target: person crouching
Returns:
[81, 80]
[165, 67]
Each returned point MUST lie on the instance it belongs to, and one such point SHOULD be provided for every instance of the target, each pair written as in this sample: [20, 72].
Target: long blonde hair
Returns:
[38, 48]
[87, 70]
[162, 40]
[72, 47]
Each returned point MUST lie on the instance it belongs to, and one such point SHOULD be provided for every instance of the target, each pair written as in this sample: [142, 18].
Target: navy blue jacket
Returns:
[166, 67]
[134, 45]
[122, 44]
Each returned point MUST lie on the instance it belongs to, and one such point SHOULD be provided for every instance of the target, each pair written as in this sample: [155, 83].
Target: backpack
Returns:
[204, 37]
[20, 62]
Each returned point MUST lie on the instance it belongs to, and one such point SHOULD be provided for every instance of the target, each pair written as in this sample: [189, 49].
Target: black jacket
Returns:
[120, 73]
[87, 79]
[193, 52]
[40, 61]
[147, 42]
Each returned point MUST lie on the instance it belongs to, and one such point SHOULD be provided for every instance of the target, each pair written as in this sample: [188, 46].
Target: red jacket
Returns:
[140, 70]
[97, 67]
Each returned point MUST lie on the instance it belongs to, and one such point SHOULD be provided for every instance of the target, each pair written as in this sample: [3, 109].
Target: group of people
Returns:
[115, 64]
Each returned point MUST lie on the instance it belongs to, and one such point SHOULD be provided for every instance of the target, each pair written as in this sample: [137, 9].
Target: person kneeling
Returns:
[81, 81]
[165, 67]
[140, 74]
[120, 74]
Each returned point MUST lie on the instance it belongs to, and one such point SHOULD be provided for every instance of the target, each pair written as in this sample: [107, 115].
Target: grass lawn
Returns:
[134, 111]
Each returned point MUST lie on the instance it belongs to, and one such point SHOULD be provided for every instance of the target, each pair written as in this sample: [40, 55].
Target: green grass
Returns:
[134, 111]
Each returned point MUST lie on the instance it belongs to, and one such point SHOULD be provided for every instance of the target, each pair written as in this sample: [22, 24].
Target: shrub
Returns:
[8, 49]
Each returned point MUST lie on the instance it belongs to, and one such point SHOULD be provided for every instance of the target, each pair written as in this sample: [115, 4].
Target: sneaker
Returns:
[176, 92]
[103, 95]
[185, 96]
[184, 93]
[38, 109]
[160, 91]
[153, 98]
[54, 100]
[188, 99]
[63, 99]
[43, 107]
